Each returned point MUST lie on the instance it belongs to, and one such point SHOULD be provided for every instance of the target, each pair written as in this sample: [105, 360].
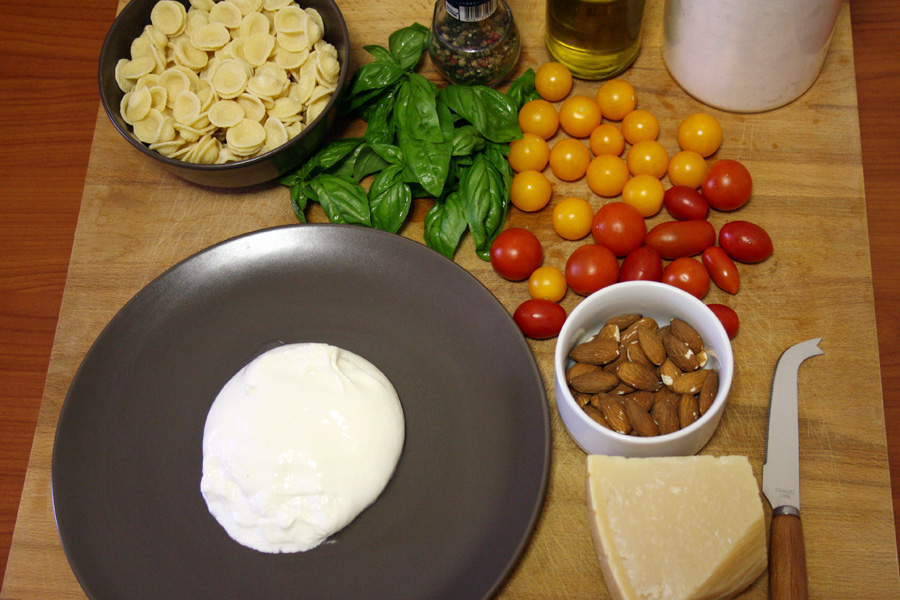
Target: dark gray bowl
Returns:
[129, 25]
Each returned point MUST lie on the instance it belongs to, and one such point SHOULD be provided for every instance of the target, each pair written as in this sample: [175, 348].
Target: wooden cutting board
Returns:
[136, 220]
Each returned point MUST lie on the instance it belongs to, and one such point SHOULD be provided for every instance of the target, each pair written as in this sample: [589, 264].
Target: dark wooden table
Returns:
[48, 111]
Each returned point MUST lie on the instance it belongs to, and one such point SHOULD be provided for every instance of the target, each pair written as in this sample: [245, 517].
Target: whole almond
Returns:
[595, 381]
[638, 376]
[640, 419]
[688, 411]
[669, 396]
[668, 372]
[686, 333]
[681, 354]
[666, 416]
[614, 411]
[690, 382]
[708, 391]
[630, 334]
[645, 399]
[622, 389]
[596, 415]
[635, 353]
[610, 331]
[580, 369]
[595, 352]
[652, 346]
[623, 322]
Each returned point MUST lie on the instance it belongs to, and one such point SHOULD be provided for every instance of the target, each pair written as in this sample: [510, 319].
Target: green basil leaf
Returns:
[377, 114]
[389, 152]
[389, 199]
[342, 199]
[522, 89]
[466, 140]
[445, 224]
[408, 43]
[369, 81]
[368, 161]
[484, 194]
[493, 114]
[381, 54]
[415, 109]
[299, 200]
[429, 162]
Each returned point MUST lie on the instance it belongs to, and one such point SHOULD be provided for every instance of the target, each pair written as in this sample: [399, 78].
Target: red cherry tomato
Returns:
[641, 264]
[722, 269]
[745, 241]
[727, 185]
[620, 227]
[687, 274]
[685, 203]
[674, 239]
[727, 317]
[540, 319]
[590, 268]
[516, 253]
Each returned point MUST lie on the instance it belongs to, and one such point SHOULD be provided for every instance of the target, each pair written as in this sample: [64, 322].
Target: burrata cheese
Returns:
[297, 444]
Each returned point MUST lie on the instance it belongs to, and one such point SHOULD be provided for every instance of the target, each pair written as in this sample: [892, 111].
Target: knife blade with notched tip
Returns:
[781, 476]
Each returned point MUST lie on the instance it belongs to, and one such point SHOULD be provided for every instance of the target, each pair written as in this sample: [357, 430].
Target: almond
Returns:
[635, 354]
[610, 331]
[683, 331]
[596, 415]
[621, 389]
[640, 419]
[638, 376]
[666, 416]
[623, 322]
[652, 346]
[645, 399]
[580, 369]
[708, 391]
[583, 399]
[614, 411]
[688, 411]
[680, 354]
[595, 352]
[690, 382]
[614, 365]
[669, 396]
[668, 373]
[595, 381]
[630, 334]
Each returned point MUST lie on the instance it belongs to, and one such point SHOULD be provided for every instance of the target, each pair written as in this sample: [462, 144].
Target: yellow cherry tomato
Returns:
[648, 158]
[616, 98]
[645, 193]
[606, 175]
[687, 168]
[569, 159]
[572, 218]
[640, 125]
[579, 116]
[539, 117]
[530, 191]
[607, 139]
[553, 81]
[547, 283]
[531, 153]
[701, 133]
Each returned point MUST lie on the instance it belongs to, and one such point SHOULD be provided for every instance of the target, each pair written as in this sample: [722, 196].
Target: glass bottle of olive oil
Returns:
[596, 39]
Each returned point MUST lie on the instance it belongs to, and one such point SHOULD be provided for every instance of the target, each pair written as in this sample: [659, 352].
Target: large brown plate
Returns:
[470, 484]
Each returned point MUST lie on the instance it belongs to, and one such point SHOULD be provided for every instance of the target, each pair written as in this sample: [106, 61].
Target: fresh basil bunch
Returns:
[449, 144]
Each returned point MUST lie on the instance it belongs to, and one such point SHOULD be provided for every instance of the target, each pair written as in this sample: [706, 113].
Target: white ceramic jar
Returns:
[747, 55]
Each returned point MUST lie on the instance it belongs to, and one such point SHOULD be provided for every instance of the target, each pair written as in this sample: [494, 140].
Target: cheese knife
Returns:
[781, 477]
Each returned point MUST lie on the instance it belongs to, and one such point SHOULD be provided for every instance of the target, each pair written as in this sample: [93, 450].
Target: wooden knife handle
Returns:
[787, 559]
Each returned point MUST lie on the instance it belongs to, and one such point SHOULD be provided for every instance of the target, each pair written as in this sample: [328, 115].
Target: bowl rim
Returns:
[112, 112]
[561, 358]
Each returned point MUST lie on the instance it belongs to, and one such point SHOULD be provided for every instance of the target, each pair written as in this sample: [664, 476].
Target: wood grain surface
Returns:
[63, 163]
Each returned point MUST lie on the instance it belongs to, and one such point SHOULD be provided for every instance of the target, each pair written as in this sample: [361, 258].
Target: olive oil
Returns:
[596, 39]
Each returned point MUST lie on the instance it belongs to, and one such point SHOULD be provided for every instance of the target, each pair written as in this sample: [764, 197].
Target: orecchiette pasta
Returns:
[228, 80]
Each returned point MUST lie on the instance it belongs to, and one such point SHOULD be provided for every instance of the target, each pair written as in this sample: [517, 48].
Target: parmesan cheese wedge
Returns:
[676, 528]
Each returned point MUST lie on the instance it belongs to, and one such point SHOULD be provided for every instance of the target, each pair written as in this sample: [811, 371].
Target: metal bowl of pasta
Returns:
[227, 93]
